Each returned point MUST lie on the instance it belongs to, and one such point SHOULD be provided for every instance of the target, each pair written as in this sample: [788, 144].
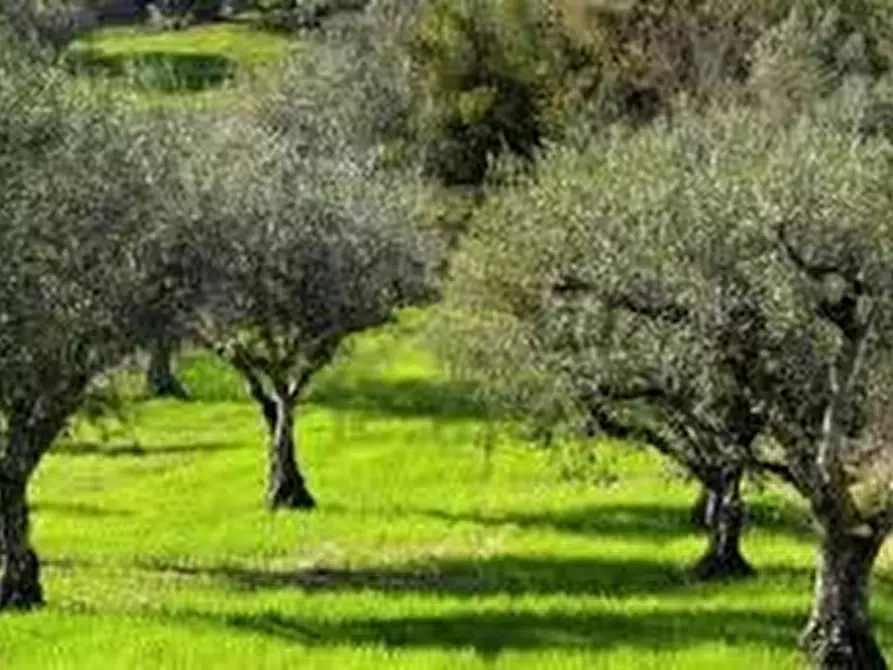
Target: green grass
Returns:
[199, 65]
[431, 548]
[428, 551]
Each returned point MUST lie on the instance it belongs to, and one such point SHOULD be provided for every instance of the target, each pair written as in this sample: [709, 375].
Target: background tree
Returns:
[161, 380]
[490, 77]
[304, 245]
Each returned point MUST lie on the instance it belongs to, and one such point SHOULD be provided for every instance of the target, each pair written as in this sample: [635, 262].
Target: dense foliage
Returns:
[678, 235]
[303, 243]
[85, 256]
[485, 77]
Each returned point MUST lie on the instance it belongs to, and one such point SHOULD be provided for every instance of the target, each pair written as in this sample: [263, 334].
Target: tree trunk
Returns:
[286, 487]
[839, 634]
[724, 516]
[19, 567]
[160, 378]
[703, 511]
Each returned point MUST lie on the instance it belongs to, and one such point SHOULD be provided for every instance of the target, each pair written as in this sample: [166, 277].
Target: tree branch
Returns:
[319, 358]
[635, 432]
[842, 377]
[780, 470]
[655, 307]
[814, 271]
[240, 360]
[675, 404]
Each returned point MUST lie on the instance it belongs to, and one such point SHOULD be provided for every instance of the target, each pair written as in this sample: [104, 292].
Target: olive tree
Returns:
[722, 263]
[556, 308]
[301, 248]
[79, 244]
[807, 227]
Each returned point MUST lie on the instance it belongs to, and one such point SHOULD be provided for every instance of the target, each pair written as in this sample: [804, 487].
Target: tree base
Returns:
[23, 591]
[716, 566]
[291, 497]
[168, 388]
[698, 514]
[833, 646]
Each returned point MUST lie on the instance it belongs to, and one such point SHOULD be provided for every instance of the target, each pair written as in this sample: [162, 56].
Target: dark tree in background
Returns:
[161, 380]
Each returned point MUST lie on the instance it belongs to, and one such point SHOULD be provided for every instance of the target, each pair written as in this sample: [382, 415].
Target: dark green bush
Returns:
[488, 71]
[495, 75]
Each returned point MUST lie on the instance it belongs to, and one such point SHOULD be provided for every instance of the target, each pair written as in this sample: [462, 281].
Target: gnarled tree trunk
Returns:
[19, 567]
[724, 517]
[699, 509]
[30, 433]
[286, 487]
[839, 635]
[160, 378]
[703, 512]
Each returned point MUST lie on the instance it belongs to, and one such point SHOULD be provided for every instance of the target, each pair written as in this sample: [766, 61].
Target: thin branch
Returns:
[240, 360]
[843, 312]
[780, 470]
[848, 368]
[320, 357]
[675, 404]
[635, 432]
[814, 271]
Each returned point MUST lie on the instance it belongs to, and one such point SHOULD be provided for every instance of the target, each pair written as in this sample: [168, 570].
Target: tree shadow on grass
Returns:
[639, 520]
[490, 633]
[137, 451]
[77, 510]
[408, 398]
[460, 577]
[158, 71]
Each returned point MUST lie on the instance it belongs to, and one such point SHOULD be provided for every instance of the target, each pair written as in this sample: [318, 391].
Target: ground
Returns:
[436, 545]
[430, 549]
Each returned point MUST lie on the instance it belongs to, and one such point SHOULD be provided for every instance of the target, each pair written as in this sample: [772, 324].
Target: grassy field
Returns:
[434, 546]
[199, 65]
[429, 550]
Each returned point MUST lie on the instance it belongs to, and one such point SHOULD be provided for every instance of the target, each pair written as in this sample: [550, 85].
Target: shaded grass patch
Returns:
[652, 519]
[492, 633]
[155, 71]
[497, 575]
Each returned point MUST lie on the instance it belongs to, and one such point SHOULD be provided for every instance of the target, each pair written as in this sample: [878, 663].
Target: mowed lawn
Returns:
[435, 546]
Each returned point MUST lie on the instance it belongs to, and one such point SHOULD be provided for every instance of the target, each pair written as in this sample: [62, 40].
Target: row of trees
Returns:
[713, 278]
[119, 228]
[716, 285]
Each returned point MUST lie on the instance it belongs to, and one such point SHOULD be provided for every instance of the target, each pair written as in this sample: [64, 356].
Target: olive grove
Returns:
[731, 277]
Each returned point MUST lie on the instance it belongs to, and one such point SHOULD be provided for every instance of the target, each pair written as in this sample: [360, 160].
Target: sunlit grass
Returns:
[427, 551]
[240, 42]
[197, 66]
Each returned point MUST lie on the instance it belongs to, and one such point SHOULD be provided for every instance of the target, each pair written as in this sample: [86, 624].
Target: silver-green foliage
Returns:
[305, 239]
[87, 252]
[706, 258]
